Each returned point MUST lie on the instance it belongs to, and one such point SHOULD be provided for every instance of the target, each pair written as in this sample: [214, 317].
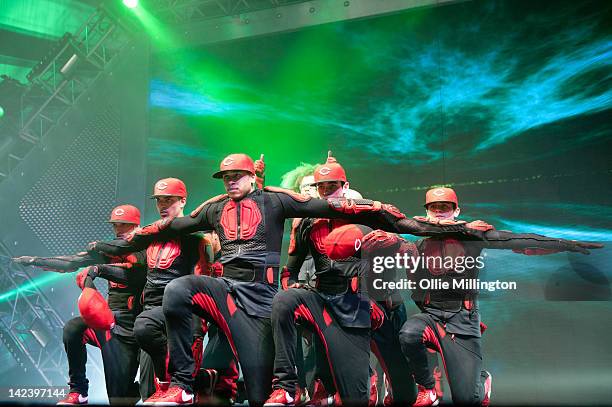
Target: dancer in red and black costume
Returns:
[450, 321]
[166, 261]
[106, 326]
[357, 246]
[337, 309]
[390, 311]
[249, 224]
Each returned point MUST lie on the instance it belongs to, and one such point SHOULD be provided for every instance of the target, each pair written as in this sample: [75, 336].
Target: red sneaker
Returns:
[487, 390]
[160, 389]
[426, 397]
[73, 398]
[373, 400]
[174, 396]
[320, 397]
[279, 398]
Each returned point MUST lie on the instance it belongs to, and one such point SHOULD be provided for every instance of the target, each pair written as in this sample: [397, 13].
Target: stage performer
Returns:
[111, 332]
[449, 321]
[336, 309]
[249, 223]
[166, 261]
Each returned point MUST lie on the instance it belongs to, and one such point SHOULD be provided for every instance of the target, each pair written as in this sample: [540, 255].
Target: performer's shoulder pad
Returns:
[214, 199]
[292, 194]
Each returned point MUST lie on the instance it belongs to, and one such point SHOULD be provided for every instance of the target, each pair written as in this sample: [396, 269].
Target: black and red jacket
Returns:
[167, 259]
[126, 276]
[338, 282]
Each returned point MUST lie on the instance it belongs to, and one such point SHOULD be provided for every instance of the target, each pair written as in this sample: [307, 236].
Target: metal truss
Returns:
[200, 22]
[57, 82]
[30, 328]
[180, 11]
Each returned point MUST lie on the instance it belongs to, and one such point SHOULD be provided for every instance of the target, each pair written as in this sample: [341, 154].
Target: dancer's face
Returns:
[308, 186]
[238, 183]
[442, 210]
[330, 189]
[170, 206]
[122, 229]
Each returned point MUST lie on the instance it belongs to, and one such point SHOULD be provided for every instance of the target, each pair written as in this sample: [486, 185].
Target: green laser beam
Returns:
[39, 282]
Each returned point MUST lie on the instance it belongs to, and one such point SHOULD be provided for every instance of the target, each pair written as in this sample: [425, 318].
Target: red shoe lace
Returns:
[276, 394]
[422, 396]
[173, 391]
[72, 397]
[158, 393]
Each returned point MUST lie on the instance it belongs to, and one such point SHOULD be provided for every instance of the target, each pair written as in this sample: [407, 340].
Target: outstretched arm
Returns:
[132, 272]
[162, 229]
[534, 244]
[120, 273]
[371, 213]
[120, 247]
[60, 264]
[419, 226]
[358, 211]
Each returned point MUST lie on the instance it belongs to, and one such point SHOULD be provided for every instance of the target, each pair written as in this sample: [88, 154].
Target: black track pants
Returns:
[461, 356]
[250, 338]
[119, 356]
[347, 349]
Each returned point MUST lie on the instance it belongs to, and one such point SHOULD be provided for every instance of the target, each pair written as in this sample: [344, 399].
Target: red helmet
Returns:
[169, 187]
[125, 214]
[235, 162]
[441, 194]
[330, 171]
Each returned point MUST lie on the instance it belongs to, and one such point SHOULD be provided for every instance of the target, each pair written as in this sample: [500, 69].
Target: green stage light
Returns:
[38, 282]
[1, 112]
[130, 3]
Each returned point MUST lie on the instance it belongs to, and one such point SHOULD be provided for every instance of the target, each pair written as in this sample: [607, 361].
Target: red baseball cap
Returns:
[169, 187]
[330, 171]
[345, 241]
[441, 194]
[94, 310]
[125, 214]
[235, 162]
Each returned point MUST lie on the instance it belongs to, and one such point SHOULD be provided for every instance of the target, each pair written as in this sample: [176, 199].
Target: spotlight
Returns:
[130, 3]
[69, 65]
[1, 112]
